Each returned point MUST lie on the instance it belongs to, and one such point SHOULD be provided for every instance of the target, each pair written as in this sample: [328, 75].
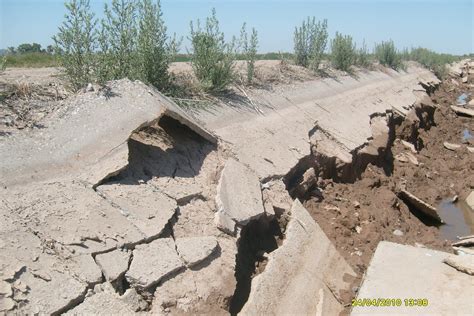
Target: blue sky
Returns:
[441, 25]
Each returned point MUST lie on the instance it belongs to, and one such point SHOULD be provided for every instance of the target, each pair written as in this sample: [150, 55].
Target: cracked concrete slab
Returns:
[113, 264]
[161, 255]
[430, 278]
[143, 205]
[314, 273]
[194, 250]
[239, 196]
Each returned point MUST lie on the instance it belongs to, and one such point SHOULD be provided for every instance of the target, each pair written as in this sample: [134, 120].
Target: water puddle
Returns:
[462, 99]
[466, 135]
[459, 219]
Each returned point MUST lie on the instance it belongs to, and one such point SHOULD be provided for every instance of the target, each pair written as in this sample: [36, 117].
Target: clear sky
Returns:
[441, 25]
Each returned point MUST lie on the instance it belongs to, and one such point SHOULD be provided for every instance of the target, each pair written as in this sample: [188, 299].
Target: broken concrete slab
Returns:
[84, 267]
[143, 205]
[451, 146]
[470, 200]
[239, 197]
[421, 205]
[314, 273]
[462, 111]
[461, 263]
[194, 250]
[153, 262]
[466, 242]
[409, 146]
[407, 157]
[103, 301]
[392, 274]
[113, 264]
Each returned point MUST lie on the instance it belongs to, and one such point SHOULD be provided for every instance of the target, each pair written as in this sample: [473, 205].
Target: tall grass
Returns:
[31, 60]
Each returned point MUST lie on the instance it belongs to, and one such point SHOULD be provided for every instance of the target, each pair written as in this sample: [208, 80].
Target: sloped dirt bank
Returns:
[356, 201]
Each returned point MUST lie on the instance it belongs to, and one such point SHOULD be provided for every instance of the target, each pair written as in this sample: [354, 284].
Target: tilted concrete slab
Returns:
[303, 275]
[273, 142]
[239, 196]
[406, 272]
[90, 134]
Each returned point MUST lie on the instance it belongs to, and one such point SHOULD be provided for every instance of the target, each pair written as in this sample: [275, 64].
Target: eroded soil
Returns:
[356, 216]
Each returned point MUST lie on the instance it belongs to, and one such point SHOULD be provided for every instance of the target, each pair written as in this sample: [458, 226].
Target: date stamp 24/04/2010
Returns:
[390, 302]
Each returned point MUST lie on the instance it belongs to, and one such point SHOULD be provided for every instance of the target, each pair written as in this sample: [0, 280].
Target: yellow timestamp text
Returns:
[390, 302]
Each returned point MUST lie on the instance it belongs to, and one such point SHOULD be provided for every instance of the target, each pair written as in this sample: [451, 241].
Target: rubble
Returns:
[421, 205]
[461, 263]
[462, 111]
[451, 146]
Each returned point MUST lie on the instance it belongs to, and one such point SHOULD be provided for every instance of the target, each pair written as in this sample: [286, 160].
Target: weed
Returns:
[363, 57]
[388, 55]
[249, 51]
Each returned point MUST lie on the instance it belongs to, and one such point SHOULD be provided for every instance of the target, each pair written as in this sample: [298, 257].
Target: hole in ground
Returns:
[257, 237]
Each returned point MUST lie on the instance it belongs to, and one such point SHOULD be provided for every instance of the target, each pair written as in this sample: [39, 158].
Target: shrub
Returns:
[363, 58]
[3, 63]
[388, 55]
[155, 50]
[75, 42]
[343, 52]
[249, 51]
[213, 58]
[432, 60]
[310, 41]
[119, 31]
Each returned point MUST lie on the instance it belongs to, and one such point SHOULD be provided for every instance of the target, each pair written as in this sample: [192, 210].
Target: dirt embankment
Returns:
[356, 216]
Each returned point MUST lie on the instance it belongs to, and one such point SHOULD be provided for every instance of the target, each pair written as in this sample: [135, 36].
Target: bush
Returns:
[388, 55]
[119, 31]
[213, 58]
[310, 41]
[432, 60]
[155, 51]
[249, 51]
[3, 63]
[343, 52]
[75, 43]
[363, 57]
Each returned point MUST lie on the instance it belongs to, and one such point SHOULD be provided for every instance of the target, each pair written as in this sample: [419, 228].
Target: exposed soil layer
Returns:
[356, 216]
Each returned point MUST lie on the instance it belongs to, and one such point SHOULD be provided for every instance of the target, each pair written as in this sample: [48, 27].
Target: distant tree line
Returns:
[27, 48]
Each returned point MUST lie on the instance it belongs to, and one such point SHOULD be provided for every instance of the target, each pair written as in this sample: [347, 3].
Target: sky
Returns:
[441, 25]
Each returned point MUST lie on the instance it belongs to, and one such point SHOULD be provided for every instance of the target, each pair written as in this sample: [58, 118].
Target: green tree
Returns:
[76, 41]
